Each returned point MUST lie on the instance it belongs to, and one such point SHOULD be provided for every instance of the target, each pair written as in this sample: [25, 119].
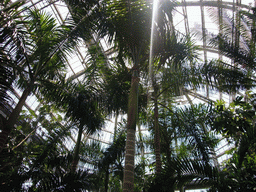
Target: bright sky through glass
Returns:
[77, 61]
[155, 8]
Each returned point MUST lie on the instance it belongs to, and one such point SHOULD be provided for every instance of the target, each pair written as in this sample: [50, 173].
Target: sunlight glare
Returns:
[155, 8]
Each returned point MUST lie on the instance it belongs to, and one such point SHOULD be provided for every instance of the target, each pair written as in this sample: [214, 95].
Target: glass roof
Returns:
[197, 17]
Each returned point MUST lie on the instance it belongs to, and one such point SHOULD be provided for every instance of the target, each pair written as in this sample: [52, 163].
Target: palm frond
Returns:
[227, 78]
[191, 120]
[114, 151]
[182, 172]
[239, 55]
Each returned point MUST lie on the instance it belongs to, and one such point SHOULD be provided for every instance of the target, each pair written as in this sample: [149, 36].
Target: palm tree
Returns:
[132, 28]
[25, 155]
[127, 25]
[8, 13]
[236, 122]
[169, 81]
[111, 155]
[38, 47]
[170, 53]
[130, 32]
[237, 43]
[83, 107]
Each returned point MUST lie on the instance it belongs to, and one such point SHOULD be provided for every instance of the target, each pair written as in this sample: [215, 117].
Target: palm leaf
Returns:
[190, 120]
[227, 78]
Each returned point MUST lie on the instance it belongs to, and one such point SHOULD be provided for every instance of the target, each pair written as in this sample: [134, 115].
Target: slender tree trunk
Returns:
[77, 148]
[165, 136]
[106, 179]
[167, 145]
[157, 133]
[13, 118]
[182, 189]
[23, 140]
[115, 128]
[128, 182]
[141, 142]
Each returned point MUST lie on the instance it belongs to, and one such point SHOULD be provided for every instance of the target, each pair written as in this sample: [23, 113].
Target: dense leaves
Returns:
[33, 54]
[227, 78]
[181, 172]
[236, 123]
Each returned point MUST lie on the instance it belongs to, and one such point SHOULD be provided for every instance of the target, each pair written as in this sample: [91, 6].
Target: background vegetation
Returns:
[34, 155]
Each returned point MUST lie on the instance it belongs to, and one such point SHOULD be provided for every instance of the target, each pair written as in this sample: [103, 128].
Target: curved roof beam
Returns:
[226, 5]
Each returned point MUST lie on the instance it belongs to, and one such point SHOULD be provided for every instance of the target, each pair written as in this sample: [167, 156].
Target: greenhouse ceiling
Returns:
[200, 20]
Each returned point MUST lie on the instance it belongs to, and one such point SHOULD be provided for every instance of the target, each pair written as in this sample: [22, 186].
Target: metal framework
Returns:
[184, 21]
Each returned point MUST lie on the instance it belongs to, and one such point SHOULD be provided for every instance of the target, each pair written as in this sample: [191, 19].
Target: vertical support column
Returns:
[253, 30]
[203, 30]
[184, 9]
[220, 16]
[237, 23]
[204, 40]
[235, 32]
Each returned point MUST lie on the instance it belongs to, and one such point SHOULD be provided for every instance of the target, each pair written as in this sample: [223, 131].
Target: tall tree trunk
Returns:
[106, 178]
[167, 142]
[128, 182]
[167, 145]
[13, 118]
[115, 128]
[157, 132]
[77, 148]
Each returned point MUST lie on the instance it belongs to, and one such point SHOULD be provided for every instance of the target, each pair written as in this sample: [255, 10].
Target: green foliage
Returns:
[115, 183]
[6, 80]
[82, 104]
[234, 120]
[110, 166]
[192, 123]
[175, 78]
[240, 48]
[182, 150]
[9, 14]
[234, 178]
[117, 88]
[91, 153]
[106, 91]
[83, 107]
[139, 176]
[115, 151]
[36, 45]
[32, 149]
[127, 25]
[53, 174]
[181, 171]
[237, 123]
[226, 78]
